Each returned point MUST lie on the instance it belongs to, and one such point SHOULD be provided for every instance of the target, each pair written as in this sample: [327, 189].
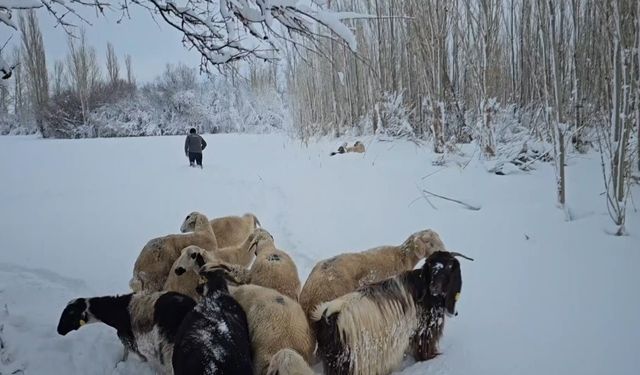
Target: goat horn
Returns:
[456, 254]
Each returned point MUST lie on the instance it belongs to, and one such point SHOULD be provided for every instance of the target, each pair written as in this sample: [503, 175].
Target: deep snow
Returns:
[544, 296]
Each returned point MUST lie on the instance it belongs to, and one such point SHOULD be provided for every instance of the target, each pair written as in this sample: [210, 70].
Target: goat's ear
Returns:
[453, 289]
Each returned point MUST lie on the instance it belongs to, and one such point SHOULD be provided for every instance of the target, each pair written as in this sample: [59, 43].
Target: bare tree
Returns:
[113, 68]
[4, 99]
[615, 146]
[83, 70]
[18, 87]
[127, 63]
[58, 77]
[34, 58]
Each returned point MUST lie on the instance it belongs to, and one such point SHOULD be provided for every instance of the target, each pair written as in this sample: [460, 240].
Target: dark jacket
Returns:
[194, 143]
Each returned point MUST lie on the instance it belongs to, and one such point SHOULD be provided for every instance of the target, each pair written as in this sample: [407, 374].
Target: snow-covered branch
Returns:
[223, 31]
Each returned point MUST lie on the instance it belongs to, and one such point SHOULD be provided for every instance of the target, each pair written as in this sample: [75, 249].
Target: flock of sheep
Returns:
[221, 298]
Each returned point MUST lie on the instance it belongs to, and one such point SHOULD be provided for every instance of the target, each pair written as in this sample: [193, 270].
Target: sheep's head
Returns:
[424, 243]
[74, 316]
[442, 271]
[191, 258]
[189, 223]
[288, 362]
[258, 237]
[215, 280]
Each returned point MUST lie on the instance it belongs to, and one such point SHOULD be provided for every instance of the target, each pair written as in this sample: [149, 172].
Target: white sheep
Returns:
[229, 230]
[342, 274]
[158, 255]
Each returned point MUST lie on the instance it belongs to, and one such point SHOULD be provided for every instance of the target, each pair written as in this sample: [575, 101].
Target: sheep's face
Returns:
[215, 281]
[74, 316]
[445, 280]
[191, 258]
[260, 236]
[189, 223]
[425, 243]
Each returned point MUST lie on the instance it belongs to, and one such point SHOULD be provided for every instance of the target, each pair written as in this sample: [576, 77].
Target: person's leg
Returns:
[192, 159]
[199, 159]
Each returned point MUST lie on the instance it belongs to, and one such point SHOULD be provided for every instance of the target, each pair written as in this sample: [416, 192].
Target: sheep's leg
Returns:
[424, 348]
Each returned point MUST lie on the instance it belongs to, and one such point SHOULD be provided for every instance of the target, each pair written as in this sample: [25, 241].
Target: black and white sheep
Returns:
[368, 331]
[214, 336]
[145, 323]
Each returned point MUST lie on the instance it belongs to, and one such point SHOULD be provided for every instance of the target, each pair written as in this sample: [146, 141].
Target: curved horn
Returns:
[456, 254]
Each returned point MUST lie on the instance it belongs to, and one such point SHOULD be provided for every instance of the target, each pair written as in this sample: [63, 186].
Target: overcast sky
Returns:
[151, 45]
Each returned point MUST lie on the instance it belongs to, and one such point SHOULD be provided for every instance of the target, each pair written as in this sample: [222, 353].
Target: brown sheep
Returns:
[357, 147]
[272, 268]
[229, 230]
[288, 362]
[183, 279]
[241, 254]
[342, 274]
[158, 255]
[275, 322]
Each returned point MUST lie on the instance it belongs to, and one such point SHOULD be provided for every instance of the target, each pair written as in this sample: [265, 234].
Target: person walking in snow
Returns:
[193, 147]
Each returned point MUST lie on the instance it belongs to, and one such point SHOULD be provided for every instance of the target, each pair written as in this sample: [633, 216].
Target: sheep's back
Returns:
[276, 270]
[232, 230]
[275, 322]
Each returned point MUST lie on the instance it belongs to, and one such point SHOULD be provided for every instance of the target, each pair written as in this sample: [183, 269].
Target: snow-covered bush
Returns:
[394, 116]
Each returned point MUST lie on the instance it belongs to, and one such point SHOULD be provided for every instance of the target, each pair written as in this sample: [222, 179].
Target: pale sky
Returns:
[151, 45]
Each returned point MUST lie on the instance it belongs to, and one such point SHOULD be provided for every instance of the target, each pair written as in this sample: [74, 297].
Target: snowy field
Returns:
[544, 296]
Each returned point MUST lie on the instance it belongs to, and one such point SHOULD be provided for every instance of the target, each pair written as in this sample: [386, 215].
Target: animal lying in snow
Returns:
[272, 268]
[145, 323]
[342, 274]
[229, 230]
[158, 255]
[368, 331]
[275, 322]
[357, 147]
[214, 336]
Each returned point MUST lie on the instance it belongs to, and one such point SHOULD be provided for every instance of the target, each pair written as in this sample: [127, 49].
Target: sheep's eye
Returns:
[193, 256]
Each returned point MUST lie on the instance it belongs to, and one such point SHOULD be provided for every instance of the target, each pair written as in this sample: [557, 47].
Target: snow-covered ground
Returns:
[544, 296]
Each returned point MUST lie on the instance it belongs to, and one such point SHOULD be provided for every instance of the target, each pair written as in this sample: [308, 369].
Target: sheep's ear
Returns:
[453, 290]
[199, 260]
